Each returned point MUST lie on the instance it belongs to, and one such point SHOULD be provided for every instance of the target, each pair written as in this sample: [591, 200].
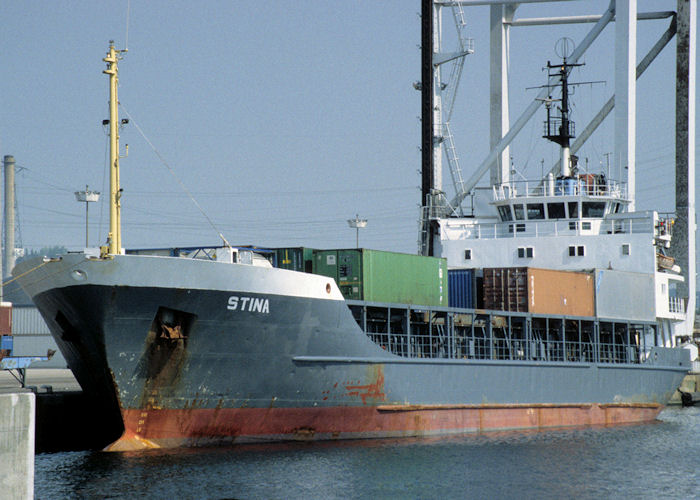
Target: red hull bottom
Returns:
[161, 428]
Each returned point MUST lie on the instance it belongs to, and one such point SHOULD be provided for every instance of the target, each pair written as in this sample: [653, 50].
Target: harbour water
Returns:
[655, 460]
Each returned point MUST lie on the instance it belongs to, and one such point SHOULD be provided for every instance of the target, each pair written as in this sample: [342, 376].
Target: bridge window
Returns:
[535, 211]
[519, 212]
[555, 210]
[505, 212]
[573, 209]
[593, 209]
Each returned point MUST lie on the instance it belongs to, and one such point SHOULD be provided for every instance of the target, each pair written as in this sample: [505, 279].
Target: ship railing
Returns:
[202, 253]
[585, 185]
[676, 305]
[619, 353]
[567, 227]
[245, 254]
[448, 333]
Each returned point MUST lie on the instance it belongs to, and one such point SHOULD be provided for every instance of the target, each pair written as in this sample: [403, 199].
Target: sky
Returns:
[282, 119]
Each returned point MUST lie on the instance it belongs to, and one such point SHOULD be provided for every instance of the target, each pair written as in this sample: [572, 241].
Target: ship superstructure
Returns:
[602, 229]
[573, 221]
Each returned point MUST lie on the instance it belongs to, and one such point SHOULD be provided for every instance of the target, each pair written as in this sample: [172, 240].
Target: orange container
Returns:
[560, 292]
[5, 318]
[539, 291]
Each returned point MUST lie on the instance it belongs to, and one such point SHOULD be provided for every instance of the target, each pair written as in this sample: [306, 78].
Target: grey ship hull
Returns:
[268, 354]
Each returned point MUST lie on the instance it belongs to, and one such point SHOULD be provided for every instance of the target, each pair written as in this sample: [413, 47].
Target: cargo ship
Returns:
[199, 346]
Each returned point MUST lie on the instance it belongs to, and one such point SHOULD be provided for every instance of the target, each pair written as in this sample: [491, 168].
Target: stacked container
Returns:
[295, 258]
[625, 295]
[461, 288]
[540, 291]
[6, 339]
[378, 276]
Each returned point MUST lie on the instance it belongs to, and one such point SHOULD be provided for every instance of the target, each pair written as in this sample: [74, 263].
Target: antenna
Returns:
[126, 41]
[564, 47]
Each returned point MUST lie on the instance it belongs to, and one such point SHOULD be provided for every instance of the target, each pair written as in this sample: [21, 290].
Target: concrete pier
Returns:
[690, 385]
[17, 418]
[66, 419]
[60, 380]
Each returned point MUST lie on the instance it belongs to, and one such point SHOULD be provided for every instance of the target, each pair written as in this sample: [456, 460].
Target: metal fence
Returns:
[446, 333]
[572, 187]
[530, 228]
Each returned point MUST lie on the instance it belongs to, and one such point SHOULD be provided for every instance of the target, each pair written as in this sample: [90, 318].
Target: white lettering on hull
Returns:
[248, 304]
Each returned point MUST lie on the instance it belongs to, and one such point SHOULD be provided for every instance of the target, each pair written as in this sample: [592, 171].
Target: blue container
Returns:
[460, 288]
[568, 187]
[6, 342]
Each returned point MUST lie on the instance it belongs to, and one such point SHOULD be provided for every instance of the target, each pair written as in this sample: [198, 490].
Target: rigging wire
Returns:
[37, 178]
[43, 209]
[533, 145]
[294, 193]
[18, 224]
[172, 172]
[15, 278]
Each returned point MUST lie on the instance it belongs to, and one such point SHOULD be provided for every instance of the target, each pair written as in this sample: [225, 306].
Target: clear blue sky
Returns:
[284, 119]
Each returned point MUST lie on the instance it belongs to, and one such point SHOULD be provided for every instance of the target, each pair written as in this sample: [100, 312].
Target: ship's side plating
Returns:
[193, 351]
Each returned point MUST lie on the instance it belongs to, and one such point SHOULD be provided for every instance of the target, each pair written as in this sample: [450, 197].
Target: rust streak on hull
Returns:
[171, 428]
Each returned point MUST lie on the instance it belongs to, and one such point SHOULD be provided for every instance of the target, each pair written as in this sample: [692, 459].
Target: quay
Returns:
[65, 418]
[688, 394]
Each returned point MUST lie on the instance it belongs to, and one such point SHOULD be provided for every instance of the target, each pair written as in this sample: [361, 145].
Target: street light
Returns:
[357, 223]
[87, 197]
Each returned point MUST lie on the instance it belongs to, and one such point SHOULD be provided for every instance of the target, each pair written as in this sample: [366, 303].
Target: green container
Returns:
[351, 277]
[295, 258]
[379, 276]
[325, 263]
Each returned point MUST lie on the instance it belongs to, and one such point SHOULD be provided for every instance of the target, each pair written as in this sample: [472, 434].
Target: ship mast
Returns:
[560, 129]
[114, 238]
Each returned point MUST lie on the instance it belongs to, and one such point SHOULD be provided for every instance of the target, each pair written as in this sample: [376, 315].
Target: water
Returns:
[641, 461]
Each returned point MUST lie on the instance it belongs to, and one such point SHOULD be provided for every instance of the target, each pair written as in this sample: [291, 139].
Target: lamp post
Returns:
[357, 223]
[87, 197]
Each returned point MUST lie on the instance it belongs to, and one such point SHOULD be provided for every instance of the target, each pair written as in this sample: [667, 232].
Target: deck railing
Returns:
[535, 228]
[586, 186]
[676, 305]
[444, 333]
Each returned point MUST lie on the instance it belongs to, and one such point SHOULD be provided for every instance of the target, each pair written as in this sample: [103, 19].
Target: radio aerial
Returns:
[564, 47]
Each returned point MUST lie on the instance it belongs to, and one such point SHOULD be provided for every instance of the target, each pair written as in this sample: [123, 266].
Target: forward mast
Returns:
[114, 238]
